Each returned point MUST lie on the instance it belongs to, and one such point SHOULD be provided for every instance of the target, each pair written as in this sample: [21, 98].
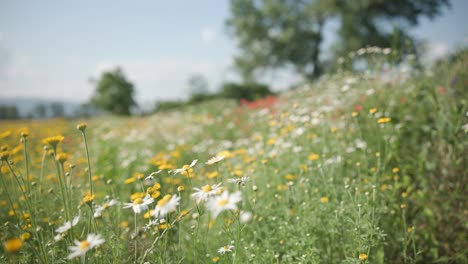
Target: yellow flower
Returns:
[313, 156]
[4, 155]
[212, 175]
[129, 180]
[215, 259]
[62, 157]
[402, 206]
[372, 110]
[395, 170]
[24, 134]
[53, 141]
[324, 199]
[290, 177]
[25, 236]
[282, 187]
[81, 126]
[383, 120]
[354, 114]
[87, 198]
[13, 245]
[363, 256]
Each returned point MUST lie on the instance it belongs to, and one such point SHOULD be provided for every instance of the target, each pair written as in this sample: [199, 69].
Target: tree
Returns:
[198, 88]
[114, 93]
[275, 33]
[9, 112]
[40, 110]
[57, 109]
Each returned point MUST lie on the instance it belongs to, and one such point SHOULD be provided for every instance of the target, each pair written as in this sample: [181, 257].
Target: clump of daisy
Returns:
[99, 209]
[225, 249]
[139, 203]
[186, 170]
[151, 176]
[239, 180]
[81, 247]
[223, 202]
[215, 159]
[203, 193]
[166, 205]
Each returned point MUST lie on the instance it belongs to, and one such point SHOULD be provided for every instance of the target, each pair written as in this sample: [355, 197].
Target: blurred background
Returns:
[82, 58]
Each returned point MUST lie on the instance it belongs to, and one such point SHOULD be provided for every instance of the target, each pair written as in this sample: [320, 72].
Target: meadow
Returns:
[358, 167]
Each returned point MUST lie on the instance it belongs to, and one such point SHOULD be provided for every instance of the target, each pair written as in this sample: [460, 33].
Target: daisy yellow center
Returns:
[206, 188]
[225, 248]
[164, 200]
[84, 244]
[223, 202]
[186, 167]
[138, 201]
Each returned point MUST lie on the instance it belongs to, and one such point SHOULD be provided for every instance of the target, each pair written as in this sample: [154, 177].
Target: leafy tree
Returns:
[40, 111]
[114, 93]
[9, 112]
[198, 88]
[275, 33]
[57, 109]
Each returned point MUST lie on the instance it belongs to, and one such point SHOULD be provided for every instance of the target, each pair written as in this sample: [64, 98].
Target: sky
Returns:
[52, 49]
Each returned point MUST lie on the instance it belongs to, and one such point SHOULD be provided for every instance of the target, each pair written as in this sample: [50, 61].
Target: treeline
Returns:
[45, 110]
[236, 91]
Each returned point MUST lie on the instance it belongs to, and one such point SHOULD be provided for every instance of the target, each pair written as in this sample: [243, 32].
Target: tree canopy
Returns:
[275, 33]
[114, 93]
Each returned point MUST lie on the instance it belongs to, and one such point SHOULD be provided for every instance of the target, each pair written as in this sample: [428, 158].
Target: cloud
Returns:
[208, 35]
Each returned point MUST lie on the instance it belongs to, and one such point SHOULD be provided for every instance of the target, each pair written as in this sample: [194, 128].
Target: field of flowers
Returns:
[357, 168]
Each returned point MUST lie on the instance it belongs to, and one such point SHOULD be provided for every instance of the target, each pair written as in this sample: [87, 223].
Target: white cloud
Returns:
[208, 35]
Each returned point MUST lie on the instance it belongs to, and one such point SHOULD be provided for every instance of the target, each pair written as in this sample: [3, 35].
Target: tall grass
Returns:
[359, 167]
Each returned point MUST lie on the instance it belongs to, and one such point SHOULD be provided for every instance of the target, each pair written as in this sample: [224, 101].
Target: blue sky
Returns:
[50, 49]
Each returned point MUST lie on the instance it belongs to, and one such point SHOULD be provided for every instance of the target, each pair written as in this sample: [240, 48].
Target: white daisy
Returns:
[215, 159]
[139, 205]
[68, 225]
[98, 210]
[223, 202]
[151, 176]
[223, 250]
[151, 223]
[185, 167]
[239, 181]
[81, 247]
[166, 205]
[206, 191]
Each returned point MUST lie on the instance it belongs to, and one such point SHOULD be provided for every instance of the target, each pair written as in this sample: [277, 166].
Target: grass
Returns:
[358, 168]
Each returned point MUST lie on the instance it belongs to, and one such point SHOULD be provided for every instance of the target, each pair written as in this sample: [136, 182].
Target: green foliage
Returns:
[57, 109]
[114, 93]
[248, 91]
[9, 112]
[168, 105]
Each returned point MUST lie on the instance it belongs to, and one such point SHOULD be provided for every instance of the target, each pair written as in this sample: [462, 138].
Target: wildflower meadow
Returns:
[358, 167]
